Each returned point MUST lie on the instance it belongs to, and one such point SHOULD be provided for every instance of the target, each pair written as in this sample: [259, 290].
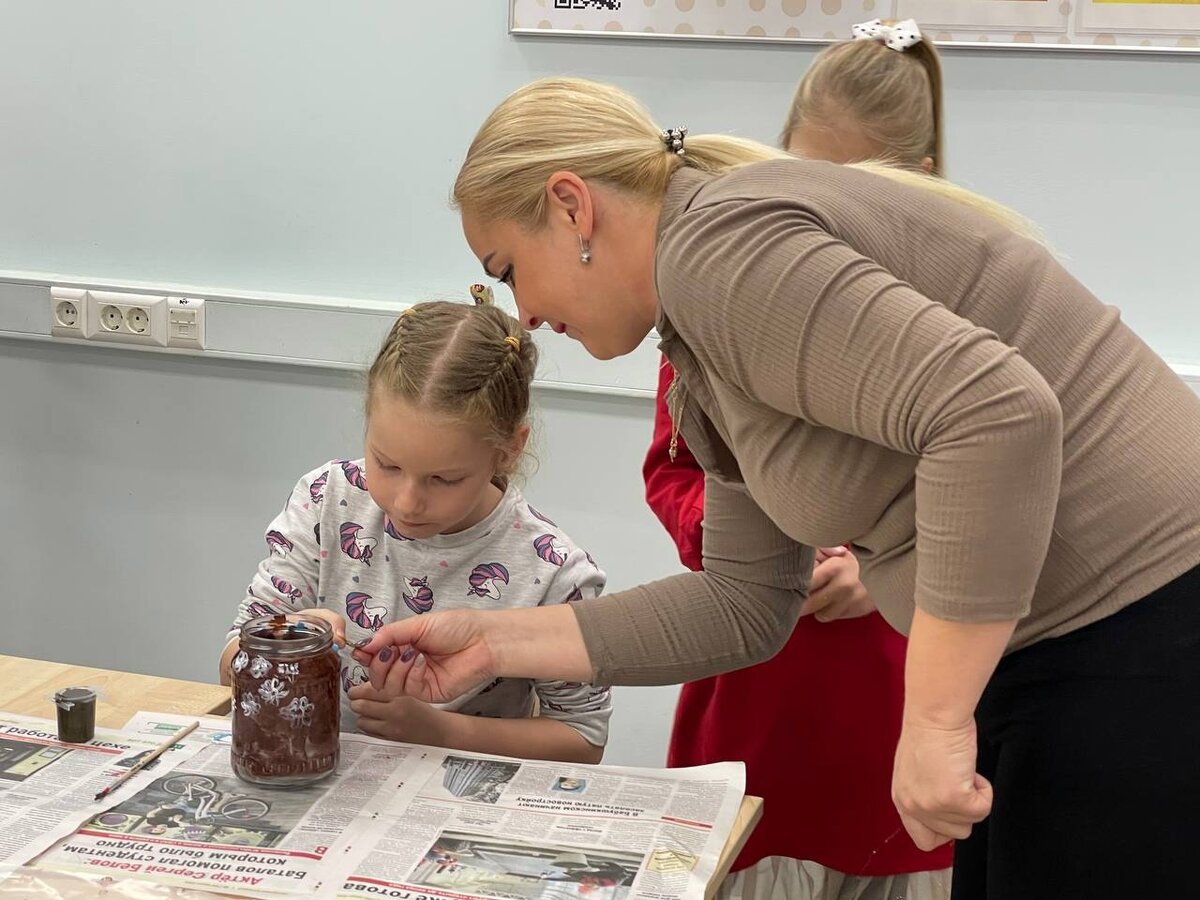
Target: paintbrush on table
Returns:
[147, 760]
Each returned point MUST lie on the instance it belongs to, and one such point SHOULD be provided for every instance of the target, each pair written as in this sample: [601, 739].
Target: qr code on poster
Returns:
[588, 4]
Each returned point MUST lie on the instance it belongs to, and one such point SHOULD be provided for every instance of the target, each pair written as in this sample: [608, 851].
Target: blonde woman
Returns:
[873, 357]
[877, 96]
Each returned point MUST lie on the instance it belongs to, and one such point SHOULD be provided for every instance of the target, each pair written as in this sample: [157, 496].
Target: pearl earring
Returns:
[585, 251]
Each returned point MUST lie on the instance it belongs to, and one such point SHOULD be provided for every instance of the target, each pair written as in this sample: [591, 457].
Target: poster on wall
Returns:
[1129, 25]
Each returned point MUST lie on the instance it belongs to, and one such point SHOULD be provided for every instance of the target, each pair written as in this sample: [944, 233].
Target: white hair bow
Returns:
[899, 37]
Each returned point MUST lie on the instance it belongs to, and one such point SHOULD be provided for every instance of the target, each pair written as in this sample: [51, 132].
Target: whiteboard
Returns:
[1128, 25]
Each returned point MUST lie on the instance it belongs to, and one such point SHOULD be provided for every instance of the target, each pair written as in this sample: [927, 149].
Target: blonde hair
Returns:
[894, 97]
[601, 133]
[597, 131]
[473, 364]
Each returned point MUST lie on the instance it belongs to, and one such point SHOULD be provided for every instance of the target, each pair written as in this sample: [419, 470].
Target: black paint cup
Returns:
[76, 714]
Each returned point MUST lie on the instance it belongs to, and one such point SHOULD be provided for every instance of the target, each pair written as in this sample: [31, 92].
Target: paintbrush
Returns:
[146, 760]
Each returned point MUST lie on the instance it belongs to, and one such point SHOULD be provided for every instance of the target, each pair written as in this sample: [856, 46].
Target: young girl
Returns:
[878, 96]
[428, 520]
[831, 753]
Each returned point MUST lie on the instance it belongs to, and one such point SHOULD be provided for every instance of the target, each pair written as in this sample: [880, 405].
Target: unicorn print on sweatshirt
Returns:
[550, 548]
[353, 674]
[354, 473]
[257, 608]
[279, 544]
[362, 614]
[286, 588]
[421, 599]
[316, 490]
[486, 579]
[360, 548]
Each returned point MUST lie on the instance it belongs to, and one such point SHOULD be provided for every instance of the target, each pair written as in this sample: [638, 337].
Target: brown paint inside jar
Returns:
[286, 701]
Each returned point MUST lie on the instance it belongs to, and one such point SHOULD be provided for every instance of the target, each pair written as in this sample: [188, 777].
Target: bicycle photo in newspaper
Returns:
[210, 808]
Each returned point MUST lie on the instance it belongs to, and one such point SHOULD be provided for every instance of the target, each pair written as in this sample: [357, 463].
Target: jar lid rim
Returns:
[296, 633]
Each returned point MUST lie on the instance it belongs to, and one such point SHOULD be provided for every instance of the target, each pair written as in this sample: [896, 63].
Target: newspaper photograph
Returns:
[492, 827]
[47, 786]
[200, 826]
[492, 867]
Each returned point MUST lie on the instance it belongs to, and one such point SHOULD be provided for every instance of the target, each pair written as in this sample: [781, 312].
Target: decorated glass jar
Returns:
[286, 701]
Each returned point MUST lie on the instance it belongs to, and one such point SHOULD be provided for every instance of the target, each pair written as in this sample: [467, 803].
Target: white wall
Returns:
[308, 147]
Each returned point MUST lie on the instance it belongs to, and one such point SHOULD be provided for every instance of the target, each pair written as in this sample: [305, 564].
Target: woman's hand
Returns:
[835, 591]
[935, 787]
[433, 657]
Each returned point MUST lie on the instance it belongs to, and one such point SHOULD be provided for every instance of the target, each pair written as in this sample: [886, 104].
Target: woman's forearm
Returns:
[539, 642]
[947, 667]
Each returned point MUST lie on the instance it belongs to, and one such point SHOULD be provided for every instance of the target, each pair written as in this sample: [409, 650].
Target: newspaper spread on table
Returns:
[482, 826]
[200, 826]
[47, 786]
[415, 822]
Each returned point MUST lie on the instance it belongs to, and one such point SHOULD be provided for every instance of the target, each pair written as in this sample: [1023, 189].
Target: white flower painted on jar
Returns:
[298, 712]
[260, 667]
[272, 691]
[240, 661]
[288, 670]
[249, 705]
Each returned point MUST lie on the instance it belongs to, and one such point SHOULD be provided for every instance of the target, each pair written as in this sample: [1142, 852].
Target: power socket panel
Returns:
[126, 318]
[68, 313]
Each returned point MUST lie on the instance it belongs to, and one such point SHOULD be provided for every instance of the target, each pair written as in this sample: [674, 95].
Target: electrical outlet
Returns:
[137, 320]
[126, 318]
[185, 322]
[68, 312]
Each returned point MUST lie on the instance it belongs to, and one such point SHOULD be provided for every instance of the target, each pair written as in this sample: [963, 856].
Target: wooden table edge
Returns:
[749, 813]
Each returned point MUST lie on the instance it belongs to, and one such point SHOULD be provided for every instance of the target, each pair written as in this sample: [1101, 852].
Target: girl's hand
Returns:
[835, 591]
[396, 718]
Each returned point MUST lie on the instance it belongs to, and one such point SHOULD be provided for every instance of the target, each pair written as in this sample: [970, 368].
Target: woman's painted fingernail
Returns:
[385, 654]
[363, 643]
[420, 661]
[408, 654]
